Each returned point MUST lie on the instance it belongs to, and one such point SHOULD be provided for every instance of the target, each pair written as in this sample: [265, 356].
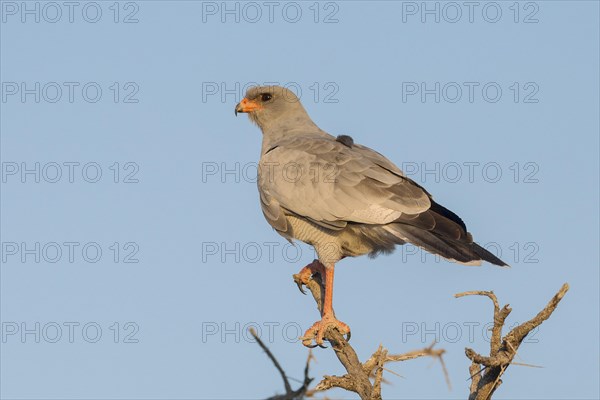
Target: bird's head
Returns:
[272, 107]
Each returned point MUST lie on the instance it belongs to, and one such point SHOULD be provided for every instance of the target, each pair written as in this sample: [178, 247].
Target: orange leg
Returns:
[328, 320]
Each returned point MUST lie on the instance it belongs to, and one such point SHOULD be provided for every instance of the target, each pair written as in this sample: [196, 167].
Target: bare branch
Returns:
[286, 383]
[358, 376]
[499, 317]
[486, 371]
[289, 393]
[520, 332]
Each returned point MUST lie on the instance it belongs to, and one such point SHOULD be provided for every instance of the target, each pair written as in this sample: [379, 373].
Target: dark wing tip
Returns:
[438, 208]
[486, 255]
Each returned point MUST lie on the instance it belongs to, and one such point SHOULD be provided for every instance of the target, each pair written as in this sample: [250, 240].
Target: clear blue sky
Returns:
[511, 145]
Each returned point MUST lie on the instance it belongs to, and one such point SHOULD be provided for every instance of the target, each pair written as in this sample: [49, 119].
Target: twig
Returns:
[289, 393]
[286, 382]
[502, 349]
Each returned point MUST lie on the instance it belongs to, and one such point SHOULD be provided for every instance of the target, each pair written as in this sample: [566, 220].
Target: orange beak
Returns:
[246, 106]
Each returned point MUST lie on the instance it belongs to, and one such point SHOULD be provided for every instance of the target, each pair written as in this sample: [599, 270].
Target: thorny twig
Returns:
[486, 371]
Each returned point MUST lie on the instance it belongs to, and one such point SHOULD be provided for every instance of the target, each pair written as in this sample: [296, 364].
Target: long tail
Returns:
[442, 232]
[454, 250]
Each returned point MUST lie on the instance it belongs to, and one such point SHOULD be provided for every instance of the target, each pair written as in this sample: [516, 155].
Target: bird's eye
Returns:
[266, 97]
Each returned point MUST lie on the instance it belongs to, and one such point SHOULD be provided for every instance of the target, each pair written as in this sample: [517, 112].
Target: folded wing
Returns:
[334, 184]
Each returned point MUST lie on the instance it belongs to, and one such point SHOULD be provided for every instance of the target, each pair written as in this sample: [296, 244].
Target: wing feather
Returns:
[332, 184]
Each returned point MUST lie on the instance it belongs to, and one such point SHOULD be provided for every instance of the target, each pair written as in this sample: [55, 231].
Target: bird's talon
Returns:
[307, 340]
[304, 276]
[300, 284]
[318, 331]
[348, 336]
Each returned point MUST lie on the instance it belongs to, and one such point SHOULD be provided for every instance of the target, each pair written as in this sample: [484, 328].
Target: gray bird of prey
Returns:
[342, 198]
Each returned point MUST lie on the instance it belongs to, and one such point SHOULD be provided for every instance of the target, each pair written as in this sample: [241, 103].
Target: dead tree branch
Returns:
[359, 375]
[487, 371]
[289, 393]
